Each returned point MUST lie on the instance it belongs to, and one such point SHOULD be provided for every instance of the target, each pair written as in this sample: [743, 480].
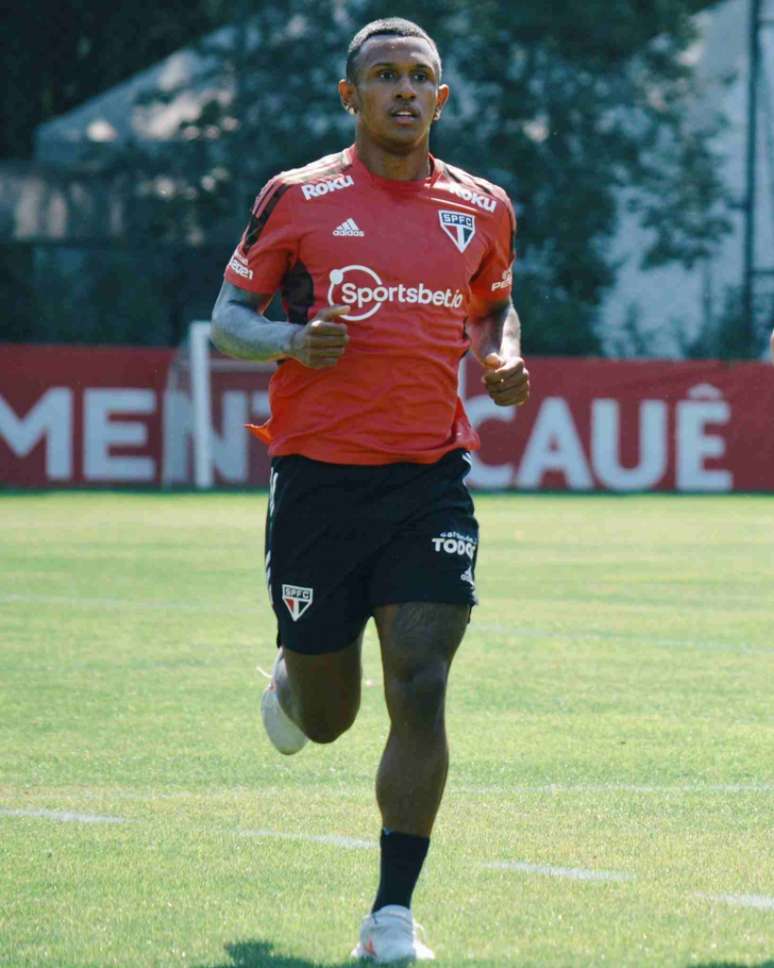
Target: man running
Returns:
[391, 264]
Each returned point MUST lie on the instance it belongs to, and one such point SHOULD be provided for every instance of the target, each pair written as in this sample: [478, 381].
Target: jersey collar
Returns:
[352, 158]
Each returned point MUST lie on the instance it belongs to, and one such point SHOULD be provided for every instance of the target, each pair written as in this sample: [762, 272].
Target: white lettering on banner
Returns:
[100, 433]
[554, 445]
[259, 403]
[695, 445]
[606, 451]
[50, 419]
[491, 477]
[229, 448]
[230, 451]
[176, 425]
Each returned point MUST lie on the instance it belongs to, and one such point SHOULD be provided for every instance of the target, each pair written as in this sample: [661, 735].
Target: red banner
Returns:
[94, 416]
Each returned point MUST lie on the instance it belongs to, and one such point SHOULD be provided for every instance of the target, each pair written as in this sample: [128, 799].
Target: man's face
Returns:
[396, 94]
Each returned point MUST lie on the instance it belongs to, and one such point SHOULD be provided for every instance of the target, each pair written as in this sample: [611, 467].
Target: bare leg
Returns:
[418, 642]
[321, 693]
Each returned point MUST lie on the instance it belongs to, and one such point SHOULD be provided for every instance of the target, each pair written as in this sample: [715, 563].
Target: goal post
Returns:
[201, 404]
[208, 399]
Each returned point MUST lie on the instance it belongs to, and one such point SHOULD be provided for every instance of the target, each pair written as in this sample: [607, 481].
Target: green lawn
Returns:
[611, 797]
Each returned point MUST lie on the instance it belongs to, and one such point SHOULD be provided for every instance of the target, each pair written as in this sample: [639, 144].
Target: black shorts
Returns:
[343, 539]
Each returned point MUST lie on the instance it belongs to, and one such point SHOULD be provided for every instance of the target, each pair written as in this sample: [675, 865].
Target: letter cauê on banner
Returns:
[75, 416]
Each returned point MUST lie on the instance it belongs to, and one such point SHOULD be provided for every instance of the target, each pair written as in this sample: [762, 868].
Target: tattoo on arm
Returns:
[240, 329]
[499, 331]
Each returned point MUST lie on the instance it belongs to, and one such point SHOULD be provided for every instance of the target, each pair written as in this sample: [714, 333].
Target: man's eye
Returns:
[421, 76]
[386, 75]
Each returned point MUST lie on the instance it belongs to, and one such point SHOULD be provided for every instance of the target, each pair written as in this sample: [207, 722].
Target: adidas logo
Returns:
[349, 228]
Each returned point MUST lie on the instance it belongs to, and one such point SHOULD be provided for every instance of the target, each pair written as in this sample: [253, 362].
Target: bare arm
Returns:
[496, 340]
[499, 331]
[240, 329]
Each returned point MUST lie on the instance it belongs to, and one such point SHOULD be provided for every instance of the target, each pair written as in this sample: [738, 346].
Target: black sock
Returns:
[401, 862]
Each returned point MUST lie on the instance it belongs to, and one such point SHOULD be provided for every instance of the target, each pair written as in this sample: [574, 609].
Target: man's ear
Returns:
[442, 98]
[348, 96]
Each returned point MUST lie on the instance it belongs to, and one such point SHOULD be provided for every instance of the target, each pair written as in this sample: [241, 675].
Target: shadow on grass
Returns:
[735, 964]
[261, 954]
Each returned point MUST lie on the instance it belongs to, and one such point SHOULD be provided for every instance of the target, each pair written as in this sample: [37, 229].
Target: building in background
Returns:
[671, 306]
[653, 312]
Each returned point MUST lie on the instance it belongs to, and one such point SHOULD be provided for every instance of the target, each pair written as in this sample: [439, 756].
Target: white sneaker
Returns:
[280, 728]
[391, 934]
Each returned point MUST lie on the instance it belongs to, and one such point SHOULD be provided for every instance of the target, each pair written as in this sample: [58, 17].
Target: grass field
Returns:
[611, 713]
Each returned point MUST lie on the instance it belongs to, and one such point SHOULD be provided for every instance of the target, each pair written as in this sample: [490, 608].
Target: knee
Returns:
[327, 728]
[416, 696]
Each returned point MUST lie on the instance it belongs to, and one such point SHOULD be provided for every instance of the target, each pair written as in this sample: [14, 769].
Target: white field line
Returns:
[760, 901]
[78, 601]
[573, 873]
[63, 816]
[757, 901]
[528, 632]
[81, 601]
[230, 793]
[335, 840]
[557, 788]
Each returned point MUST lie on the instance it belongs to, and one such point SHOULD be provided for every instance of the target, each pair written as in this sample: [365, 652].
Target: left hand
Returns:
[506, 380]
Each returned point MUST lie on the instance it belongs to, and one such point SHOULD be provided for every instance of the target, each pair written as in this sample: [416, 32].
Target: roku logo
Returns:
[332, 185]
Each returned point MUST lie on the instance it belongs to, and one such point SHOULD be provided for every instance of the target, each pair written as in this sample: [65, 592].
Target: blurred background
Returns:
[636, 140]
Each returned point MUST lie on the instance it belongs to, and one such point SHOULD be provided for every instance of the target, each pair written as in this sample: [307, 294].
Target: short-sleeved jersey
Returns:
[413, 259]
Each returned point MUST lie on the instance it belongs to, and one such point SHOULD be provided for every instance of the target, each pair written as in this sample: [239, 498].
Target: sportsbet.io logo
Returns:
[363, 290]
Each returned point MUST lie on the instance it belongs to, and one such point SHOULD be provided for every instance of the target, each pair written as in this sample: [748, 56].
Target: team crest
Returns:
[459, 226]
[297, 600]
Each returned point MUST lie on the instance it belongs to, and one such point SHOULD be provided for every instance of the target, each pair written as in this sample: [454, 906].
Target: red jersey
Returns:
[413, 259]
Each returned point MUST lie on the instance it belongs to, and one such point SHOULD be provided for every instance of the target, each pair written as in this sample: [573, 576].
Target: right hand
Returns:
[321, 343]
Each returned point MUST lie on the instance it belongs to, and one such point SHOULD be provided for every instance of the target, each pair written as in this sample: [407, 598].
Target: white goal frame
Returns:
[199, 334]
[201, 366]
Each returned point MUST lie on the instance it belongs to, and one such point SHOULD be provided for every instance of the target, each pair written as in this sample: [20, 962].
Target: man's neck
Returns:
[412, 166]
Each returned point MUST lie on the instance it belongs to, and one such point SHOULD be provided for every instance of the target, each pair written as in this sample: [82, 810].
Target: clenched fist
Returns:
[506, 380]
[321, 343]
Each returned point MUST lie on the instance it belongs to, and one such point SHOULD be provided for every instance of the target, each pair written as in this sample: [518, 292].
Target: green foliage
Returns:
[57, 55]
[570, 109]
[727, 337]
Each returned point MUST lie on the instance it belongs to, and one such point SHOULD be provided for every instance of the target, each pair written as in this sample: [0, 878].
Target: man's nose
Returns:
[406, 88]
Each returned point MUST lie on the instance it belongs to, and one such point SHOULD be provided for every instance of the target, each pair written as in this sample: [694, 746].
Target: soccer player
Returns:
[391, 264]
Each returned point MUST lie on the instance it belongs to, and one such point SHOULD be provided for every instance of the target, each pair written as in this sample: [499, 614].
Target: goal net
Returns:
[207, 402]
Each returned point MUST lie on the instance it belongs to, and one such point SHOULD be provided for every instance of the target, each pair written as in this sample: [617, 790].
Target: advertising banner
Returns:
[110, 417]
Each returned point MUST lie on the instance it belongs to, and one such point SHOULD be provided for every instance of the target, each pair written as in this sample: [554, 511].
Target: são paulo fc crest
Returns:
[297, 600]
[459, 226]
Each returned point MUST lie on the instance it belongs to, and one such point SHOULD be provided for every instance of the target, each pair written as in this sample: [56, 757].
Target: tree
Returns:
[572, 109]
[56, 55]
[577, 108]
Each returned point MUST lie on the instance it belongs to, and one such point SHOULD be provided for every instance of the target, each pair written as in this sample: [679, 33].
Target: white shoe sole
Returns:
[283, 733]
